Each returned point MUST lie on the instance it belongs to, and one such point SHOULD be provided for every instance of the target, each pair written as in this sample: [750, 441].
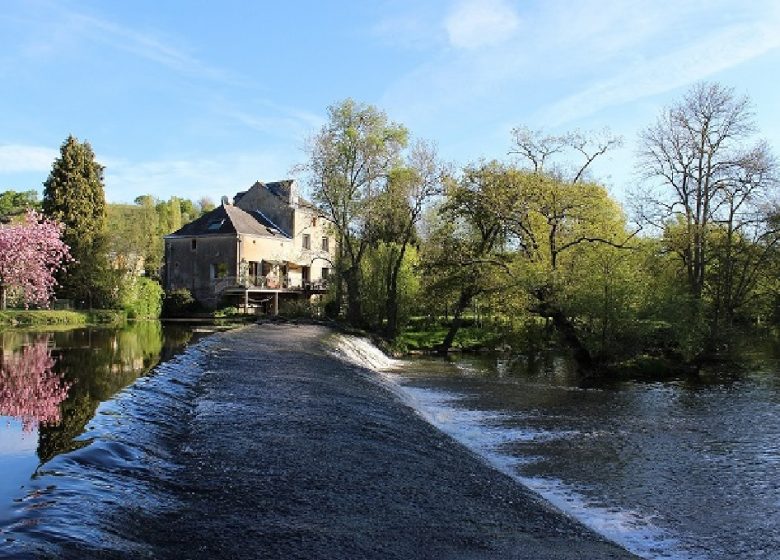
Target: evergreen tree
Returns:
[73, 195]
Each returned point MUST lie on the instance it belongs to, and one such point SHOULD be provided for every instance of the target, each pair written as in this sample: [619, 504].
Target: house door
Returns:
[306, 276]
[255, 268]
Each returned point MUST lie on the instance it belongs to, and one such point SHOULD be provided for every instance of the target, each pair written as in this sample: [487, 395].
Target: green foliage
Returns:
[73, 195]
[179, 303]
[428, 337]
[206, 204]
[141, 298]
[228, 311]
[105, 317]
[375, 273]
[297, 308]
[48, 317]
[15, 203]
[716, 203]
[349, 161]
[40, 317]
[174, 209]
[135, 231]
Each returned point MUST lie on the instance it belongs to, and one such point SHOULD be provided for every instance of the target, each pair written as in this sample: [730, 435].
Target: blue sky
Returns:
[203, 98]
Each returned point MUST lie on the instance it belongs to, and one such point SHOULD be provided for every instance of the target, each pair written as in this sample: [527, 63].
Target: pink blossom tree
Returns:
[31, 252]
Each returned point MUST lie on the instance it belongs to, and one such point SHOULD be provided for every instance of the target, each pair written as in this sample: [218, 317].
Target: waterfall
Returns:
[362, 352]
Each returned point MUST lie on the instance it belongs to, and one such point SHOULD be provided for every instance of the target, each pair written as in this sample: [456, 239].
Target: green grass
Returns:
[59, 317]
[421, 338]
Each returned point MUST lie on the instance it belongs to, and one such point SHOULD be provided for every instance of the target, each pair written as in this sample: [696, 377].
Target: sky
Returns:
[195, 98]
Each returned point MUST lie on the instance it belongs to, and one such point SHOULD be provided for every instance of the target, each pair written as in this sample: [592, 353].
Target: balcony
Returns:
[269, 283]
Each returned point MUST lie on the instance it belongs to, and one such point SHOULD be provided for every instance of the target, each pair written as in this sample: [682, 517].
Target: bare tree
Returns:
[579, 149]
[710, 179]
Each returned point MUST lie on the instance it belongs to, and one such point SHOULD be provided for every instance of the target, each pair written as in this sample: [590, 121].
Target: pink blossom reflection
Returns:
[29, 389]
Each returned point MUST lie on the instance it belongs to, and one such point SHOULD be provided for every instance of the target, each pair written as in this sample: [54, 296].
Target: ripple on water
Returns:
[125, 463]
[672, 470]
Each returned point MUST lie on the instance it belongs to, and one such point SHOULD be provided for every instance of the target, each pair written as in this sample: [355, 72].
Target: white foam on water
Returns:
[483, 433]
[362, 352]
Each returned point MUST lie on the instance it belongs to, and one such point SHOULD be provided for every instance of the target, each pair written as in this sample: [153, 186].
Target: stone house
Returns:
[268, 244]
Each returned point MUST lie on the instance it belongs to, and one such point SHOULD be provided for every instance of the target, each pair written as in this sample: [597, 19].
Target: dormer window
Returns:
[214, 225]
[306, 241]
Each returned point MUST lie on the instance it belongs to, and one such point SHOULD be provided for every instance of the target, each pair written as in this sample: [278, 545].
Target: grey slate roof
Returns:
[280, 188]
[230, 220]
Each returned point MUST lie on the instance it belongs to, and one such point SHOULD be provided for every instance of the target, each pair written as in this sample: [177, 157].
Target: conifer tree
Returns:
[74, 196]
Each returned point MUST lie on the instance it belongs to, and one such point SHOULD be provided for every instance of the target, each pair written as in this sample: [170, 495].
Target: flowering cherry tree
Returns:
[31, 252]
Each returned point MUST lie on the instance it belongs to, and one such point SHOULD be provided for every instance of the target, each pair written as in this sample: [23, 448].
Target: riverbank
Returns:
[293, 453]
[59, 317]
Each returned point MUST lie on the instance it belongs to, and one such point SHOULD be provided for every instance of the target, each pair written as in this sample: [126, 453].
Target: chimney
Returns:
[293, 193]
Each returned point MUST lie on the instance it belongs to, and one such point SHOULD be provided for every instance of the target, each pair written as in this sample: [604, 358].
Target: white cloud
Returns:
[593, 53]
[478, 23]
[148, 46]
[16, 158]
[691, 63]
[58, 29]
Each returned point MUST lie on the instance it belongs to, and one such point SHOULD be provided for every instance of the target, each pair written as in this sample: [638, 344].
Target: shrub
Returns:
[227, 311]
[296, 308]
[141, 298]
[179, 302]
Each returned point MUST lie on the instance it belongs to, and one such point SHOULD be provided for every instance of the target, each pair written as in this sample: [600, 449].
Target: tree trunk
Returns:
[463, 302]
[354, 308]
[338, 290]
[391, 309]
[3, 298]
[565, 329]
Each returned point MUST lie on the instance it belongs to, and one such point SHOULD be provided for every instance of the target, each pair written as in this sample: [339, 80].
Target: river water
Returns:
[67, 420]
[683, 469]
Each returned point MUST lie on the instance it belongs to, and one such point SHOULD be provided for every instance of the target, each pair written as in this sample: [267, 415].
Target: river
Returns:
[61, 399]
[683, 469]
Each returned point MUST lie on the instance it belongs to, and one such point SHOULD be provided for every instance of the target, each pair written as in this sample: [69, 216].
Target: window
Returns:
[306, 241]
[194, 244]
[325, 244]
[325, 273]
[218, 270]
[214, 225]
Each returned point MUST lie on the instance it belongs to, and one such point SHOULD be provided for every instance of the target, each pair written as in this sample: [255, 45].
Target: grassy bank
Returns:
[419, 338]
[59, 317]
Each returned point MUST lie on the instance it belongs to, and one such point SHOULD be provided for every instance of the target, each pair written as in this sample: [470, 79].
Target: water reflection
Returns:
[98, 364]
[53, 382]
[30, 391]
